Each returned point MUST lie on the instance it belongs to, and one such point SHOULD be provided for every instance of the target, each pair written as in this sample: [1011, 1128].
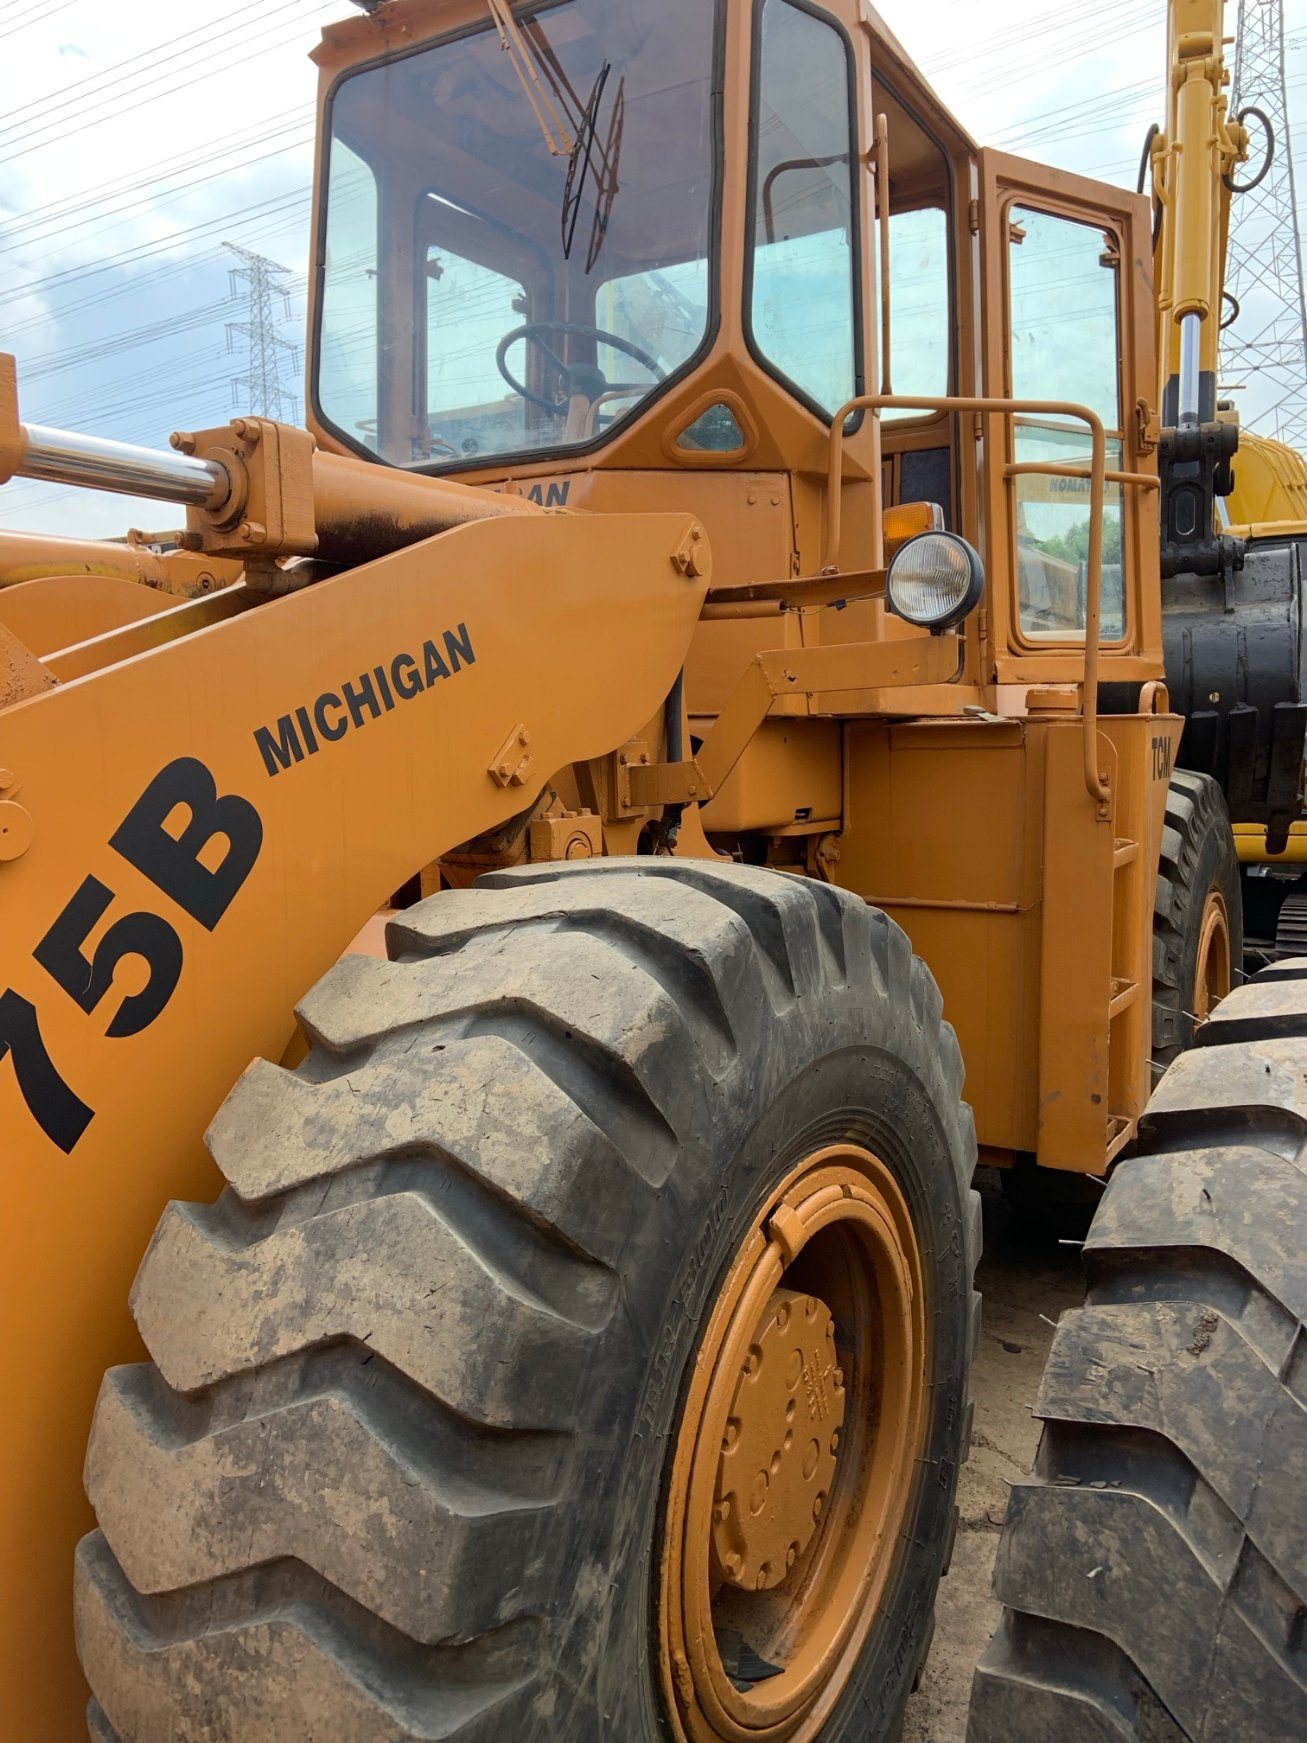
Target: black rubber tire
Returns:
[1154, 1567]
[1291, 925]
[1197, 856]
[395, 1471]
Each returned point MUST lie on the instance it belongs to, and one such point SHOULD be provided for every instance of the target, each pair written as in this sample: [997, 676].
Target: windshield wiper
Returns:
[583, 157]
[547, 98]
[527, 67]
[582, 154]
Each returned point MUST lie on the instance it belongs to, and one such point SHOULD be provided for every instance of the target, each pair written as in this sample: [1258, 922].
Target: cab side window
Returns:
[921, 298]
[802, 301]
[1065, 345]
[347, 364]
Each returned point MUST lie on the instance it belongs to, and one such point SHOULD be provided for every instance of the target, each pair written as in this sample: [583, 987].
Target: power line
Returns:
[24, 145]
[121, 214]
[153, 184]
[296, 199]
[26, 21]
[255, 229]
[77, 357]
[114, 79]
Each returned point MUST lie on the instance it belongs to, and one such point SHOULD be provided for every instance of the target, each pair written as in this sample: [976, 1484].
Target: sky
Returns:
[137, 137]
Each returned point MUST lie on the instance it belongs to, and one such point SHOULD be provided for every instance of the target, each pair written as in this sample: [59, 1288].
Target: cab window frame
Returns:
[856, 240]
[562, 453]
[1021, 642]
[911, 422]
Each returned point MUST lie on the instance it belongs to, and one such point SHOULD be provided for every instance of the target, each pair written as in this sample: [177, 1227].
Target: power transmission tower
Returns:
[260, 389]
[1265, 348]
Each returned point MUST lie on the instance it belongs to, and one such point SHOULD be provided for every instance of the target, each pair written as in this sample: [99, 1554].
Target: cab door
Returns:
[1068, 315]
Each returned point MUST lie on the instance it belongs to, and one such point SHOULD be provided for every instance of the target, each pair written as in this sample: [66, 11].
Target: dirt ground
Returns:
[1020, 1281]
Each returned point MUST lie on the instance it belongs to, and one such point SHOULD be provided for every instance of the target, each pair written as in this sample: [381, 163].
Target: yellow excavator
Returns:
[1235, 516]
[1152, 1566]
[488, 900]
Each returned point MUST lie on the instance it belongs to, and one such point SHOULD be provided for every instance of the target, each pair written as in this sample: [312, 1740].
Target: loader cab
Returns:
[599, 253]
[518, 251]
[571, 234]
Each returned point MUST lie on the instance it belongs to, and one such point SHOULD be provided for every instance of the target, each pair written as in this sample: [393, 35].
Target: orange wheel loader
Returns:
[537, 900]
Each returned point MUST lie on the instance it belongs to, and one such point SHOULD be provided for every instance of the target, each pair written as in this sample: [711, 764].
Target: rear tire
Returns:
[1197, 916]
[401, 1466]
[1154, 1567]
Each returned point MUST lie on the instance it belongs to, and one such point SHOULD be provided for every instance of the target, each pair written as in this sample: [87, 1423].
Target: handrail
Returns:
[1144, 480]
[1009, 408]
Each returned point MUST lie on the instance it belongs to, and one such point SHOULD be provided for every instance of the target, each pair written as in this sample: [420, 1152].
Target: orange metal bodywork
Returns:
[944, 779]
[340, 831]
[976, 840]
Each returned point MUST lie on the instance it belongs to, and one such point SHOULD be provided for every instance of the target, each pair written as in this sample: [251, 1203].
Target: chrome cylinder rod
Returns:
[61, 457]
[1190, 334]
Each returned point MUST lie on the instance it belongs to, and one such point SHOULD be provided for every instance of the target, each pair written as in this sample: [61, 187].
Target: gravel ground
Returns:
[1020, 1281]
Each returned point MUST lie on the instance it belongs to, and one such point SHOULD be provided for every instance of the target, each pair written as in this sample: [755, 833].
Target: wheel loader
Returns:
[488, 899]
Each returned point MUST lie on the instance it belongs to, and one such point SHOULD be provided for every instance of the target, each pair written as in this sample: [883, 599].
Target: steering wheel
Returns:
[584, 378]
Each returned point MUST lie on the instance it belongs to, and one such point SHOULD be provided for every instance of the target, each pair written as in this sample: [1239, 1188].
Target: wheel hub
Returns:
[777, 1464]
[795, 1457]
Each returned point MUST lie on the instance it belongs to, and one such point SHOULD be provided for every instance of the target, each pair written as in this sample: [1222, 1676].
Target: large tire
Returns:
[1197, 915]
[399, 1468]
[1154, 1568]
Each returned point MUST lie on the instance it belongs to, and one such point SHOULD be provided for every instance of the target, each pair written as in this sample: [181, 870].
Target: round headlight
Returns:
[935, 579]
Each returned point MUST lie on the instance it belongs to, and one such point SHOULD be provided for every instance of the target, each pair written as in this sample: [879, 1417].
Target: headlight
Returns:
[935, 579]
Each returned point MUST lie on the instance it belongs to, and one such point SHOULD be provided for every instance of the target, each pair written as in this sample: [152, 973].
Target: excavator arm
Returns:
[1233, 591]
[1192, 162]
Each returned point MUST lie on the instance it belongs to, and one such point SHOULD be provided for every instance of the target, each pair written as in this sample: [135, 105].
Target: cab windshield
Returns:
[517, 240]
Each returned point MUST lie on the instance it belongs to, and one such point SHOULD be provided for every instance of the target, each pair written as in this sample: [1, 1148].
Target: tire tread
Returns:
[299, 1419]
[1164, 1514]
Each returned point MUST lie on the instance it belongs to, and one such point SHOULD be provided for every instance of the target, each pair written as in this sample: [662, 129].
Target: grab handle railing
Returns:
[1096, 472]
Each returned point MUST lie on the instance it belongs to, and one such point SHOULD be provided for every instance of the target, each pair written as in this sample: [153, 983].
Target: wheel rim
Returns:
[1212, 971]
[797, 1445]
